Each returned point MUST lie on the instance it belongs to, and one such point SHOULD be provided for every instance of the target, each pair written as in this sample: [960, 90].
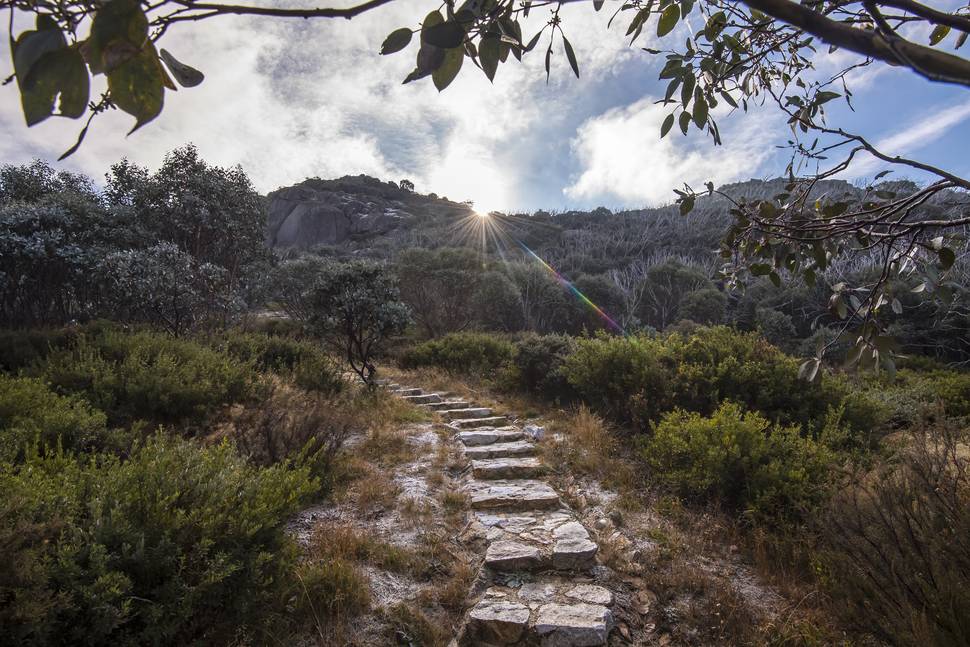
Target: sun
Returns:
[482, 214]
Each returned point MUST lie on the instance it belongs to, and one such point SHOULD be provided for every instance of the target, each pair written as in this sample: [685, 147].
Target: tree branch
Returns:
[930, 63]
[215, 9]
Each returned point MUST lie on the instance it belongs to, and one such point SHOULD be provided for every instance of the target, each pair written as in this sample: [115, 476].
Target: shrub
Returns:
[537, 365]
[149, 376]
[768, 472]
[176, 544]
[623, 377]
[30, 413]
[897, 543]
[466, 352]
[291, 424]
[22, 348]
[706, 306]
[305, 361]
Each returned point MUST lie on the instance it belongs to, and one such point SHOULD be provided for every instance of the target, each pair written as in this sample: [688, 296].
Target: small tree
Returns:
[407, 185]
[356, 307]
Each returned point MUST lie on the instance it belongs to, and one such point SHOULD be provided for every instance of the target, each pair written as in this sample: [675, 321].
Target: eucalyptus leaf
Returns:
[396, 41]
[186, 75]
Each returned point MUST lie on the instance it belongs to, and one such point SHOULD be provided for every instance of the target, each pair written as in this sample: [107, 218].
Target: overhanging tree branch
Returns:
[930, 63]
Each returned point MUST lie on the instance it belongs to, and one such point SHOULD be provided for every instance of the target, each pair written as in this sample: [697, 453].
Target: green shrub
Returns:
[769, 473]
[465, 352]
[30, 413]
[22, 348]
[538, 363]
[149, 376]
[627, 378]
[175, 544]
[303, 360]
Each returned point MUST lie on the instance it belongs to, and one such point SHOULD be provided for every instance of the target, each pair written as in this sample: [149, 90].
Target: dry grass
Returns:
[351, 544]
[587, 447]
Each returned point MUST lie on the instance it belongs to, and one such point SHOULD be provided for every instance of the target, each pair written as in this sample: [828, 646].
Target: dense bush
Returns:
[304, 360]
[897, 543]
[627, 378]
[32, 414]
[461, 352]
[706, 306]
[176, 544]
[148, 376]
[22, 348]
[770, 473]
[537, 364]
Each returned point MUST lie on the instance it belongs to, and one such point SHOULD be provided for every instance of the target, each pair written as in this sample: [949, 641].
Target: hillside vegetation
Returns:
[173, 391]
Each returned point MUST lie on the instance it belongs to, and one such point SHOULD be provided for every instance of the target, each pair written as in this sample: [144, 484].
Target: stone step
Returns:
[555, 613]
[471, 423]
[427, 398]
[448, 404]
[507, 468]
[562, 542]
[406, 391]
[469, 412]
[489, 436]
[512, 556]
[512, 495]
[500, 450]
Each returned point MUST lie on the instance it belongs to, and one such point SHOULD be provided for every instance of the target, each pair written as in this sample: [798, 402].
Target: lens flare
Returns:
[491, 229]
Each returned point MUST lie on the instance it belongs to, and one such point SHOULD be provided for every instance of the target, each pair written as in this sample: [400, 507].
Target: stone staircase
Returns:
[528, 530]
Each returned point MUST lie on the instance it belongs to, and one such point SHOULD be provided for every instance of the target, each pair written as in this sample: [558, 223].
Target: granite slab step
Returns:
[500, 450]
[425, 398]
[512, 495]
[406, 391]
[553, 613]
[512, 556]
[563, 543]
[468, 412]
[489, 436]
[472, 423]
[448, 404]
[507, 468]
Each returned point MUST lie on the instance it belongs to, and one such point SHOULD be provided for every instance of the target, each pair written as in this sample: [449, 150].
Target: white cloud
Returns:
[292, 99]
[915, 135]
[625, 160]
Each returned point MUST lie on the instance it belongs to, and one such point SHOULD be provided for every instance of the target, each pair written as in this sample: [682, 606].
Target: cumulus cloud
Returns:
[921, 132]
[624, 160]
[292, 99]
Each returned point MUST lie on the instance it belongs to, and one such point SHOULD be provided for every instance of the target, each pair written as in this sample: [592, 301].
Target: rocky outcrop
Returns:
[351, 209]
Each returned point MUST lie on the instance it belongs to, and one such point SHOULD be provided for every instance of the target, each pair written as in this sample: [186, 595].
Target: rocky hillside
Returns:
[352, 210]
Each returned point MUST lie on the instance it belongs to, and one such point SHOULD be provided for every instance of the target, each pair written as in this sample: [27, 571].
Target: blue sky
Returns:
[289, 100]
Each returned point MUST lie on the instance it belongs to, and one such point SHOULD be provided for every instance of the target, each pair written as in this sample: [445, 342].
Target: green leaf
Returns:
[396, 41]
[489, 50]
[938, 34]
[570, 56]
[686, 205]
[947, 258]
[684, 121]
[825, 96]
[700, 109]
[668, 20]
[687, 91]
[448, 70]
[729, 99]
[443, 34]
[137, 86]
[667, 125]
[118, 33]
[46, 68]
[186, 75]
[533, 42]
